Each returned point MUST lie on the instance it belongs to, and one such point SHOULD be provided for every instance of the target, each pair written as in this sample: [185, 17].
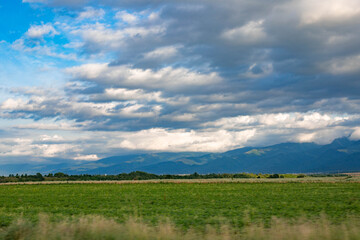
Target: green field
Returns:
[185, 204]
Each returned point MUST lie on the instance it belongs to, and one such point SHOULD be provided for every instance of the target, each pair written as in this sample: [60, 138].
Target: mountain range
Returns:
[342, 155]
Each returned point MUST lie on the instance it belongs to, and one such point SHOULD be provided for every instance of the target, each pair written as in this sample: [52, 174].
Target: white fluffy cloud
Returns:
[39, 31]
[126, 17]
[91, 13]
[28, 147]
[182, 140]
[124, 76]
[99, 37]
[306, 121]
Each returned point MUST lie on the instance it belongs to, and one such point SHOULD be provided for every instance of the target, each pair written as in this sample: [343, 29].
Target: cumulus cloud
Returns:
[181, 140]
[166, 78]
[27, 147]
[311, 120]
[126, 17]
[291, 127]
[39, 31]
[98, 37]
[91, 13]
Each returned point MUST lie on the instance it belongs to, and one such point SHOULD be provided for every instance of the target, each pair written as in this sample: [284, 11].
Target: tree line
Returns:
[137, 175]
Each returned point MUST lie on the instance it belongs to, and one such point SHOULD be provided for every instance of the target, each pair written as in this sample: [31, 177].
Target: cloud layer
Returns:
[185, 76]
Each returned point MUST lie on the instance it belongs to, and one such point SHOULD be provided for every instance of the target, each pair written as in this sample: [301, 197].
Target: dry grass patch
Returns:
[96, 228]
[349, 178]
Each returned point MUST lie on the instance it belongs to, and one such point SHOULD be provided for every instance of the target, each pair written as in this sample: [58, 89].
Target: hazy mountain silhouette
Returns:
[341, 155]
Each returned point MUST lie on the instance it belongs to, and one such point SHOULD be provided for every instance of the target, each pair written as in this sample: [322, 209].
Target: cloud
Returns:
[54, 138]
[332, 11]
[139, 95]
[91, 13]
[52, 106]
[98, 37]
[57, 125]
[162, 53]
[251, 33]
[92, 157]
[356, 134]
[11, 104]
[310, 120]
[343, 65]
[183, 117]
[126, 17]
[26, 147]
[173, 79]
[124, 94]
[22, 46]
[181, 140]
[39, 31]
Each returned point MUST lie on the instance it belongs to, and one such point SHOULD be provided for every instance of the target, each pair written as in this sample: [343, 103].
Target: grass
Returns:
[187, 205]
[95, 227]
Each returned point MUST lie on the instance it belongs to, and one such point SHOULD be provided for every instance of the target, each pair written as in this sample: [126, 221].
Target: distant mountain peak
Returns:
[343, 141]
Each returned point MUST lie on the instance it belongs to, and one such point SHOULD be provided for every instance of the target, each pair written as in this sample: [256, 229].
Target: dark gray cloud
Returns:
[266, 48]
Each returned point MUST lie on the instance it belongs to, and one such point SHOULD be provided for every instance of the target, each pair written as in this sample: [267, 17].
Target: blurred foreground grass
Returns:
[97, 227]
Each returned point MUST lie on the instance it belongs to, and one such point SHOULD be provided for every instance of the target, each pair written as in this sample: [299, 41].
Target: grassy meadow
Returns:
[200, 210]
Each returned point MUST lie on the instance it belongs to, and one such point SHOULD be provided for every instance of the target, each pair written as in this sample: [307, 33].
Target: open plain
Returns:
[200, 209]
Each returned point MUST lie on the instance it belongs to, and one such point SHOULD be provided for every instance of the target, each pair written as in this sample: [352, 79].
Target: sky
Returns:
[87, 79]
